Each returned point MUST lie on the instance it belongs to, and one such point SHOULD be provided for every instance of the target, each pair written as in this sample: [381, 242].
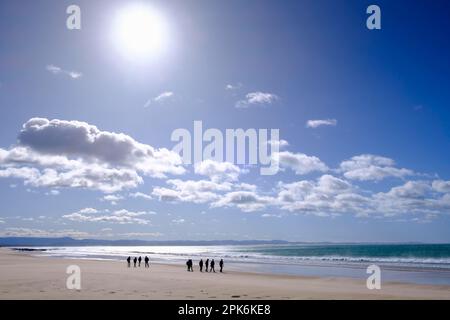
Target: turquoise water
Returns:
[419, 255]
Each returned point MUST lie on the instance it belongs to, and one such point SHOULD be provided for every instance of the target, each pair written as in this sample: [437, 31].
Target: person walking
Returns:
[207, 265]
[212, 266]
[200, 264]
[221, 265]
[139, 260]
[129, 261]
[147, 265]
[135, 261]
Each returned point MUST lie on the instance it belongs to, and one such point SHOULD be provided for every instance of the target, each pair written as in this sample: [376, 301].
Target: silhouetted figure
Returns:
[200, 264]
[135, 261]
[206, 265]
[212, 266]
[129, 261]
[189, 265]
[147, 265]
[221, 264]
[139, 260]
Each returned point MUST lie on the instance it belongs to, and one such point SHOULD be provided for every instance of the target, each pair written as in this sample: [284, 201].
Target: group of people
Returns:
[137, 262]
[211, 265]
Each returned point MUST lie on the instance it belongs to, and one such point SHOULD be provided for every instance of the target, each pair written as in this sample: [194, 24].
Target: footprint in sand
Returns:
[212, 297]
[235, 296]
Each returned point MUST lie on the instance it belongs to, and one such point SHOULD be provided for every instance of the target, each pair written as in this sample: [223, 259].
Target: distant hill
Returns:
[66, 242]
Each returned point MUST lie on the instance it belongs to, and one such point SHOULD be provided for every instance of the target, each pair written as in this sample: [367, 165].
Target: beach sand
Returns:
[23, 276]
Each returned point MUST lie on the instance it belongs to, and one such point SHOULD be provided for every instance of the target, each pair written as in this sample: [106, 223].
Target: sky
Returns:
[363, 117]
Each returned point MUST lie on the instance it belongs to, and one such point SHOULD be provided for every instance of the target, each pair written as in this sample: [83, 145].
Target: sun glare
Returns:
[140, 32]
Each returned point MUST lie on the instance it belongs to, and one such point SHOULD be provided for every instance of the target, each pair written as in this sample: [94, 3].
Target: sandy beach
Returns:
[23, 276]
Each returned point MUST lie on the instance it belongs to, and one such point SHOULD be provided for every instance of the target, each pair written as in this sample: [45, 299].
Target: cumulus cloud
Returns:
[247, 201]
[140, 195]
[122, 216]
[59, 153]
[328, 195]
[93, 177]
[441, 186]
[372, 167]
[257, 99]
[113, 199]
[413, 197]
[58, 70]
[321, 122]
[298, 162]
[201, 191]
[218, 171]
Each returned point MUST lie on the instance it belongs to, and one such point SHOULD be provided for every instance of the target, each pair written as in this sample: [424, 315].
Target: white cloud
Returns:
[318, 123]
[218, 171]
[330, 195]
[140, 195]
[113, 199]
[326, 196]
[59, 153]
[202, 191]
[178, 221]
[413, 197]
[298, 162]
[371, 167]
[247, 201]
[122, 216]
[233, 86]
[58, 70]
[257, 99]
[441, 186]
[164, 96]
[88, 211]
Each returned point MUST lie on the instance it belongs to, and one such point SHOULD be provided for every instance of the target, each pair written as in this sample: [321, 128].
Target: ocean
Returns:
[415, 263]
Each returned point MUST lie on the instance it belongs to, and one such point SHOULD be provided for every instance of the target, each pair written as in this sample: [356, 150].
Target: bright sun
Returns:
[140, 32]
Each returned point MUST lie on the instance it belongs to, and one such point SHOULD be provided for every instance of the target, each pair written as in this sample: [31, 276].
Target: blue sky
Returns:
[375, 170]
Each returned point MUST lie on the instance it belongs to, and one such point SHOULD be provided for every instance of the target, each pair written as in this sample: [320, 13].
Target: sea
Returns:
[410, 263]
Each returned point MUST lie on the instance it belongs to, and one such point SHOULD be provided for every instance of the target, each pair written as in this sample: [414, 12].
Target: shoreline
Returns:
[25, 276]
[412, 274]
